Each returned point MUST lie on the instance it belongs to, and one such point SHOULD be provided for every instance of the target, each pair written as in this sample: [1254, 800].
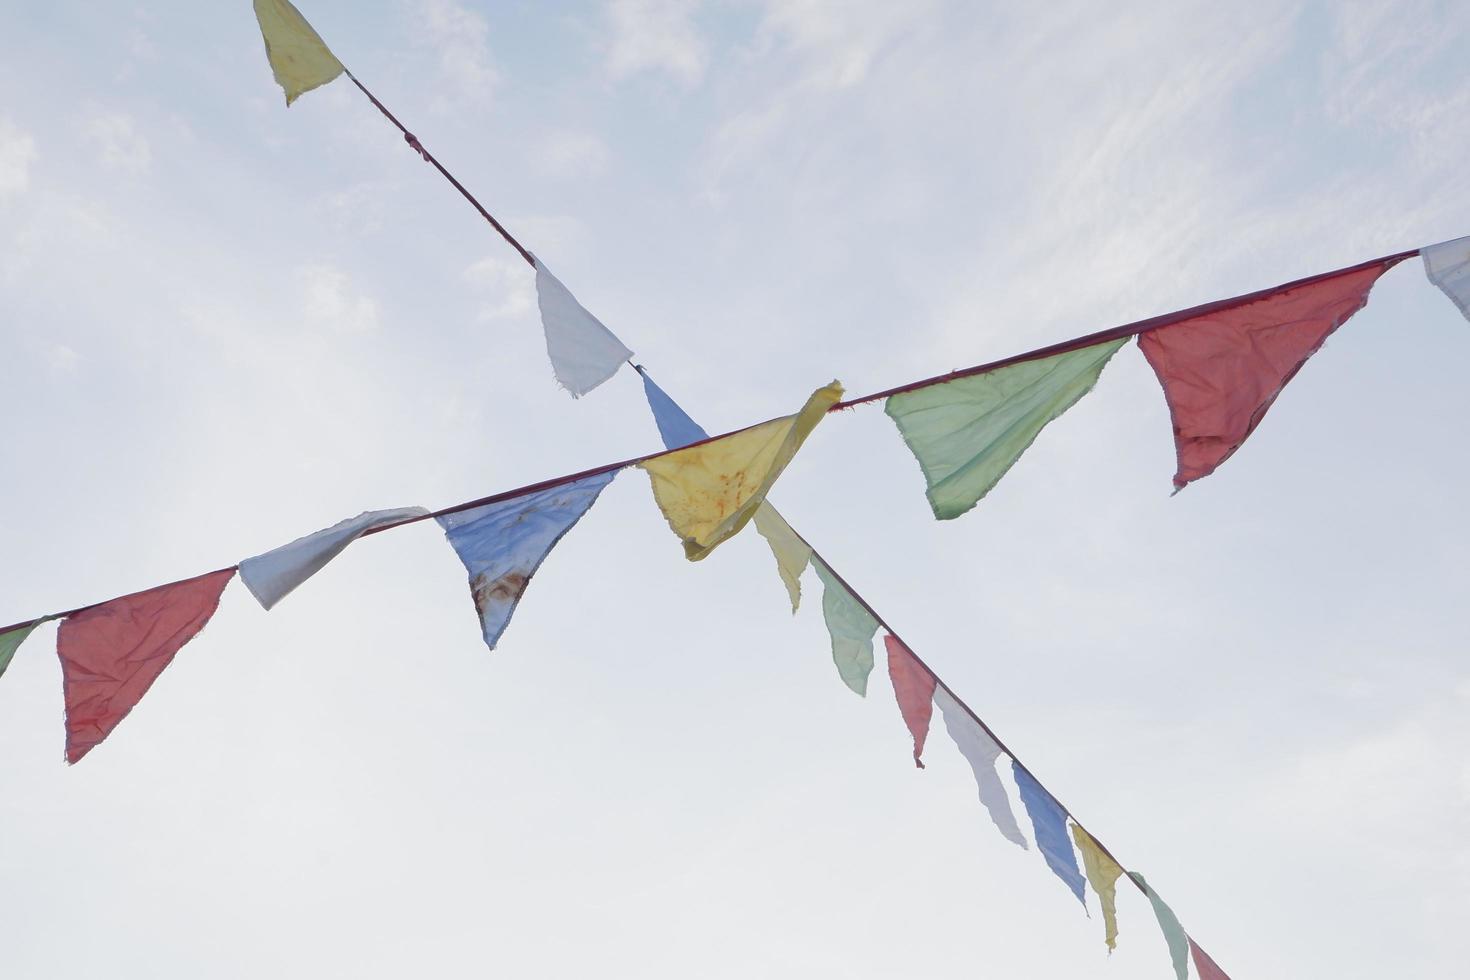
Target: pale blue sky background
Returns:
[226, 323]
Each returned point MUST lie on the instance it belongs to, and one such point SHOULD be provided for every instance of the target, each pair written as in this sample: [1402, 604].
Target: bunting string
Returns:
[1067, 346]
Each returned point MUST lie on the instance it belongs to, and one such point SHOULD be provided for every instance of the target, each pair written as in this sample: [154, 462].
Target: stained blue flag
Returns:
[502, 544]
[1049, 822]
[676, 428]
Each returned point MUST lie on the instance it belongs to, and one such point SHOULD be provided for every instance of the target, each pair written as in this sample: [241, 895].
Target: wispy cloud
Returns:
[17, 153]
[462, 39]
[507, 284]
[571, 154]
[332, 303]
[655, 35]
[117, 142]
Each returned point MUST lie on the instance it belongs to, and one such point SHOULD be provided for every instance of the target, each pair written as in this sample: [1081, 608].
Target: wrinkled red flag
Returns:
[1205, 966]
[914, 688]
[1221, 371]
[111, 654]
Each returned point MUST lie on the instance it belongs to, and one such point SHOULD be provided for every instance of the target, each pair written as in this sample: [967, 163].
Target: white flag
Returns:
[980, 750]
[583, 352]
[1448, 266]
[271, 576]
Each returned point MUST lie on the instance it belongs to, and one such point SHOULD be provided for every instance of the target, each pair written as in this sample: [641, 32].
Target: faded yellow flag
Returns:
[299, 57]
[709, 491]
[792, 553]
[1102, 873]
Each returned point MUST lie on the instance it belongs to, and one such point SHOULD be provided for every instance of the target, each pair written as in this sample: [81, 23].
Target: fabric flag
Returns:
[851, 627]
[1169, 923]
[583, 352]
[710, 491]
[502, 544]
[1221, 371]
[299, 57]
[1049, 823]
[677, 430]
[1102, 874]
[112, 653]
[1203, 965]
[792, 553]
[675, 427]
[967, 433]
[271, 577]
[914, 687]
[1448, 266]
[11, 640]
[980, 751]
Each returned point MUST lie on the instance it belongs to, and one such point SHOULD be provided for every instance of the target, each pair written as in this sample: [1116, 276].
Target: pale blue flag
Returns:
[1049, 822]
[675, 427]
[502, 544]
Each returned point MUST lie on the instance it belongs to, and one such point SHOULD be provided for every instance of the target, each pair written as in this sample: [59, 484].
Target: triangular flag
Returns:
[792, 553]
[583, 352]
[851, 627]
[1049, 823]
[271, 577]
[112, 653]
[1169, 923]
[299, 57]
[967, 433]
[1203, 965]
[675, 427]
[914, 687]
[1221, 371]
[502, 544]
[980, 751]
[710, 491]
[1448, 266]
[11, 640]
[1102, 874]
[677, 430]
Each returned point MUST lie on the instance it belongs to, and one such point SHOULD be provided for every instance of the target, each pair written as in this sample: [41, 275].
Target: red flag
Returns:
[111, 654]
[1221, 371]
[1205, 966]
[914, 688]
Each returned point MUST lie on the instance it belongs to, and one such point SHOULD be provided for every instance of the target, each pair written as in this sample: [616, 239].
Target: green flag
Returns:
[967, 433]
[11, 641]
[852, 628]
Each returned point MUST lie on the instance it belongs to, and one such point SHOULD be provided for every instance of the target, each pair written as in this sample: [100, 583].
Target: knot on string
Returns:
[418, 147]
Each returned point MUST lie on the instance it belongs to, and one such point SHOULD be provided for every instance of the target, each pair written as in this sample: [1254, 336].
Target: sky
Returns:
[227, 323]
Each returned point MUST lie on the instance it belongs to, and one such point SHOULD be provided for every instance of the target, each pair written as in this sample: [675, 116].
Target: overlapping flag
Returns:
[1221, 367]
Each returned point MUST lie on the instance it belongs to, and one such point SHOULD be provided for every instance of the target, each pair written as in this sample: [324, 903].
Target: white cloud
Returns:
[839, 42]
[118, 143]
[508, 284]
[655, 35]
[461, 37]
[570, 154]
[17, 153]
[332, 304]
[62, 359]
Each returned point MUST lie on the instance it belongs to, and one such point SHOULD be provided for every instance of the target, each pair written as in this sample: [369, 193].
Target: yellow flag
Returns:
[299, 57]
[710, 491]
[792, 553]
[1102, 874]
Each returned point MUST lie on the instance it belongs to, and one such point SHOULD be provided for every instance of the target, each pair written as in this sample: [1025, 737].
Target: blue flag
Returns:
[1049, 821]
[502, 544]
[675, 427]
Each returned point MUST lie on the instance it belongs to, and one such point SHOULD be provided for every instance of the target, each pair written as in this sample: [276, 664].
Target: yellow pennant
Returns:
[709, 491]
[299, 57]
[1102, 873]
[792, 553]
